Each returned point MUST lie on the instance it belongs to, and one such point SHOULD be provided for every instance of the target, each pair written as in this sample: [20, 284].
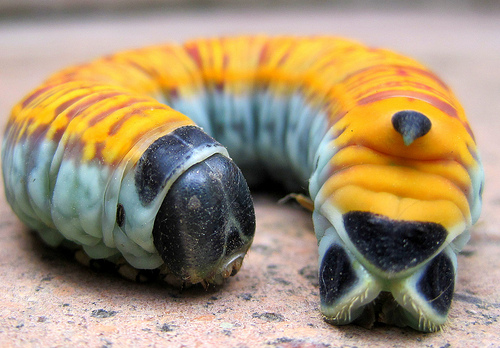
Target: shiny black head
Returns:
[206, 221]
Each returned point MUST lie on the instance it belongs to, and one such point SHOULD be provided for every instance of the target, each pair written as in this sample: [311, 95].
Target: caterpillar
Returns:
[119, 156]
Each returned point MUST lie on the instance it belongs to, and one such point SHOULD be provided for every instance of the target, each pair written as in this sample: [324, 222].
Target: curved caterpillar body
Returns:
[96, 157]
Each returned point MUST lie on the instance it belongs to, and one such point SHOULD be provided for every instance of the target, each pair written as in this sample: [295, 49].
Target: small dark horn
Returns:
[411, 125]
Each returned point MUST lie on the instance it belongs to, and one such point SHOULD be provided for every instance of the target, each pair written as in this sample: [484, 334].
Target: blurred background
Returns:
[49, 301]
[23, 8]
[453, 37]
[30, 7]
[39, 37]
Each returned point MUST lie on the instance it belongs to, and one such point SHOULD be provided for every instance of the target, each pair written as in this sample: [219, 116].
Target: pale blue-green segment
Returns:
[63, 198]
[264, 133]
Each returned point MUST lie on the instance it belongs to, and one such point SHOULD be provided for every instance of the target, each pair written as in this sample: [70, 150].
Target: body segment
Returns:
[381, 143]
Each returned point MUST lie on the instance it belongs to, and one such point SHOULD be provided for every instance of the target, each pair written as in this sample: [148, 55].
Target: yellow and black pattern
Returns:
[110, 155]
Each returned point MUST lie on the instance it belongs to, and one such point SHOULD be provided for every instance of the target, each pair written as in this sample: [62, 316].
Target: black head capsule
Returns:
[206, 222]
[411, 125]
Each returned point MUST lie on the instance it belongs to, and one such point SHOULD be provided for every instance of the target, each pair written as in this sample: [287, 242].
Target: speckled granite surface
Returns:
[47, 299]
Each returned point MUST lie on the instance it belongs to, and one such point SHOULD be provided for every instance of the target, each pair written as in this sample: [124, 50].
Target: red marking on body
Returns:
[285, 56]
[263, 53]
[148, 72]
[225, 61]
[194, 53]
[336, 168]
[99, 147]
[91, 99]
[173, 93]
[402, 85]
[58, 134]
[219, 86]
[41, 128]
[434, 101]
[134, 111]
[75, 109]
[36, 94]
[403, 71]
[430, 75]
[67, 104]
[112, 108]
[471, 133]
[335, 112]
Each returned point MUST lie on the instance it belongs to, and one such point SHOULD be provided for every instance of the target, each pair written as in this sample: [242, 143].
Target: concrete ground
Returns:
[47, 299]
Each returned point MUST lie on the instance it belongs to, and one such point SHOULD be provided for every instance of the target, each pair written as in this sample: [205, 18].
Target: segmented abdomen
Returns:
[313, 112]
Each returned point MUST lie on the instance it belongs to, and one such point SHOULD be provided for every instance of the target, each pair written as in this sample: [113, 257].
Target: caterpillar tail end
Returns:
[206, 223]
[354, 292]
